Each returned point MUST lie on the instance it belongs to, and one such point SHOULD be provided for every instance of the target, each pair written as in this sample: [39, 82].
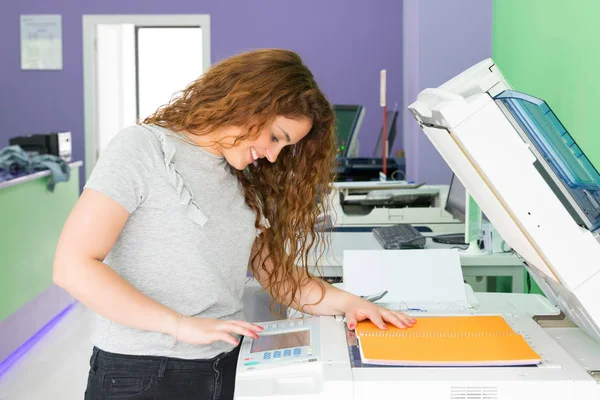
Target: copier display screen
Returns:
[281, 341]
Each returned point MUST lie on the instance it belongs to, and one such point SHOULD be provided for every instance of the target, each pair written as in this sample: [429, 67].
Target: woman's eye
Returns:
[274, 139]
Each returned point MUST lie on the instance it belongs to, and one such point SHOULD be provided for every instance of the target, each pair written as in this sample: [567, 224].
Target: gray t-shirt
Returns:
[187, 241]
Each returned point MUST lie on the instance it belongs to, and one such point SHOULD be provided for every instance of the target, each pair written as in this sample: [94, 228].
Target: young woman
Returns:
[224, 178]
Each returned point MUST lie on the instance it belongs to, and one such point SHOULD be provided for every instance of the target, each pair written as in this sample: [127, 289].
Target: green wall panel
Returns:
[550, 49]
[31, 219]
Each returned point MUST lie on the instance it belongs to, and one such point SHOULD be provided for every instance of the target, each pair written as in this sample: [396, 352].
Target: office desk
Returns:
[502, 264]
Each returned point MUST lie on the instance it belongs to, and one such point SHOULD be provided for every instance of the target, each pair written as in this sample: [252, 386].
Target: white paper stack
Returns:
[416, 280]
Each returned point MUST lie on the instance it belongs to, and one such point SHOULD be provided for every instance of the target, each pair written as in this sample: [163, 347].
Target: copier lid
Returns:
[544, 200]
[573, 170]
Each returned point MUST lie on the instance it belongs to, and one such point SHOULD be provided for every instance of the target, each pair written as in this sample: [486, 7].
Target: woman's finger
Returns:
[407, 319]
[230, 327]
[225, 337]
[351, 320]
[375, 317]
[394, 320]
[248, 325]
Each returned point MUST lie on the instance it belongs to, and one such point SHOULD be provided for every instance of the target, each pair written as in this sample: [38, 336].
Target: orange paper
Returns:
[446, 341]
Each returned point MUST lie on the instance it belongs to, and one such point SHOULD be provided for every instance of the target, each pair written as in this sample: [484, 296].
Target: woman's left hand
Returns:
[357, 309]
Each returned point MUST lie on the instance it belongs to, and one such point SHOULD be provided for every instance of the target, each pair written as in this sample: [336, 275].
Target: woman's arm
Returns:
[88, 235]
[334, 301]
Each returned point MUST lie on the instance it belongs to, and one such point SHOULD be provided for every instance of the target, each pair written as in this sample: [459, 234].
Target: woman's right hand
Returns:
[196, 330]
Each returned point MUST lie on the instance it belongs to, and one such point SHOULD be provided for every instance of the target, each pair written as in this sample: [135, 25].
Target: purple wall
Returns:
[344, 42]
[440, 38]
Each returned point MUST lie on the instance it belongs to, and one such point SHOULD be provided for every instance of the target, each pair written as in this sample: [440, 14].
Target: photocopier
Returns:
[377, 203]
[545, 203]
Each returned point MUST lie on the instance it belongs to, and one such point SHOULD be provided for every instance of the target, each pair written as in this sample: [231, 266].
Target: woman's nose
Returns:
[272, 154]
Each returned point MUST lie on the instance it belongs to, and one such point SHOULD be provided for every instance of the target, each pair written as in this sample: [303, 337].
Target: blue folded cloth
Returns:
[14, 158]
[15, 162]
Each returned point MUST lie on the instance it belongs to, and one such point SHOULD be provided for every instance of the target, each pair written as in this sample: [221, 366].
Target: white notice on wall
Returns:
[41, 41]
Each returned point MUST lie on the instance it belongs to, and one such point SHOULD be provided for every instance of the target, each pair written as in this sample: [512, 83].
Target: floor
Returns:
[56, 367]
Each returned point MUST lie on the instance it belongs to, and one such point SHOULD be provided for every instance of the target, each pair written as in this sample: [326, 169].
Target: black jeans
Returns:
[120, 376]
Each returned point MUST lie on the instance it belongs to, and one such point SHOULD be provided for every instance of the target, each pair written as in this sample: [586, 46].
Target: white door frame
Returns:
[89, 64]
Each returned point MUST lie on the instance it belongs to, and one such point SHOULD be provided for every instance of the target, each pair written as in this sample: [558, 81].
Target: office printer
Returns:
[545, 205]
[368, 168]
[56, 143]
[369, 204]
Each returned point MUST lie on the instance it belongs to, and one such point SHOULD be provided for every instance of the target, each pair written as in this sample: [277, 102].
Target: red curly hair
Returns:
[249, 90]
